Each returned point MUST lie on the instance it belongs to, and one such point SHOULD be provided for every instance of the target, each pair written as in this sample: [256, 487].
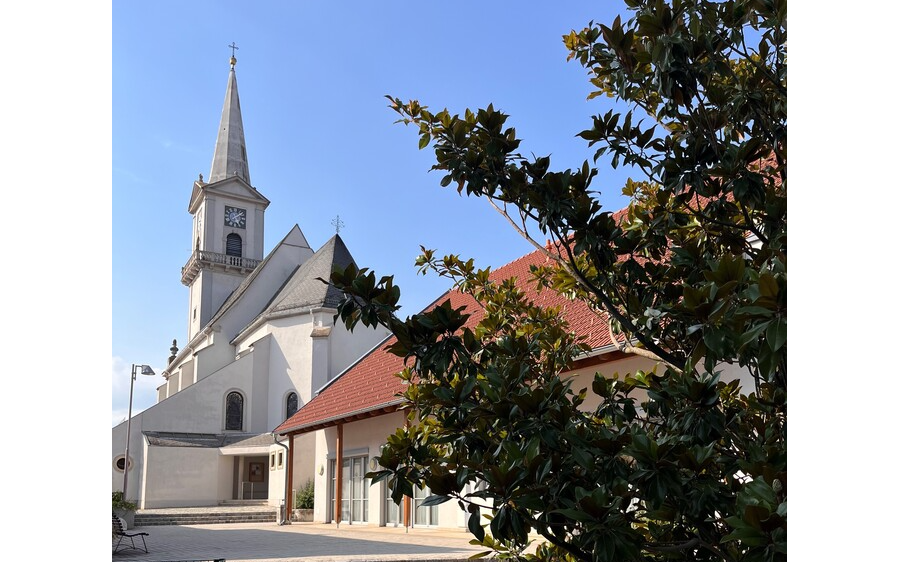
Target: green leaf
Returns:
[776, 334]
[434, 499]
[474, 524]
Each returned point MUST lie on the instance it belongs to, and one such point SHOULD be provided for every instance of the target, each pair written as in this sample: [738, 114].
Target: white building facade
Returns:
[261, 339]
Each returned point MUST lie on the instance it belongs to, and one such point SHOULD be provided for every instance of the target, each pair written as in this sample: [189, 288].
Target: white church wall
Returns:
[173, 383]
[290, 360]
[181, 476]
[347, 347]
[321, 363]
[135, 453]
[187, 376]
[200, 407]
[283, 260]
[212, 356]
[226, 469]
[195, 303]
[260, 364]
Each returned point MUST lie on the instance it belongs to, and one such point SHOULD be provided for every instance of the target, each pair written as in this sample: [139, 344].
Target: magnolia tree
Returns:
[692, 276]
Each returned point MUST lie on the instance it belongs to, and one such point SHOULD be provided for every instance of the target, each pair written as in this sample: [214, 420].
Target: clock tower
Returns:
[229, 216]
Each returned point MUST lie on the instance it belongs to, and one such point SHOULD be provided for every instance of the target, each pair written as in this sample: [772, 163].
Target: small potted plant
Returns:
[304, 500]
[123, 508]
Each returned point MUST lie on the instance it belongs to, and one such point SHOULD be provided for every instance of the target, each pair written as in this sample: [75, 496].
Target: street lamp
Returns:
[144, 370]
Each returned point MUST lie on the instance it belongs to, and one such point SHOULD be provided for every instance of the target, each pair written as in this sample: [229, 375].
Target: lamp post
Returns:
[144, 370]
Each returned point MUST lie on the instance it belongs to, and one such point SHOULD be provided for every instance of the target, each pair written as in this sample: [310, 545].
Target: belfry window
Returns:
[234, 245]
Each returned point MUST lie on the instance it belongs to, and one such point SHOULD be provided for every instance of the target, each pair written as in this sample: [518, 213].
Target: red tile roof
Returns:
[370, 386]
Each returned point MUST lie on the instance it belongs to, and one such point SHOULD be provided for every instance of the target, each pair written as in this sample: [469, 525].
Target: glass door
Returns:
[392, 511]
[424, 516]
[354, 489]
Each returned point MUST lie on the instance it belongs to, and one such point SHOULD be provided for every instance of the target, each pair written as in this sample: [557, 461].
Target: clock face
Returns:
[235, 217]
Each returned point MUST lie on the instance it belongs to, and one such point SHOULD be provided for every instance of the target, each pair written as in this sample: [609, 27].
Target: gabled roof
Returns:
[303, 290]
[293, 238]
[370, 386]
[232, 188]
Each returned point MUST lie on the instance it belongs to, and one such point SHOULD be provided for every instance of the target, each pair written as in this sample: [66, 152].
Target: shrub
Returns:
[305, 497]
[119, 502]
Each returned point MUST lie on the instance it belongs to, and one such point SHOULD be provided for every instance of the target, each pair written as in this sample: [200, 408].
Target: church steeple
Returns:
[229, 220]
[230, 158]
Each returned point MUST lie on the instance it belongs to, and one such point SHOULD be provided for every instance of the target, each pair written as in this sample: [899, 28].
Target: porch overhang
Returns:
[347, 417]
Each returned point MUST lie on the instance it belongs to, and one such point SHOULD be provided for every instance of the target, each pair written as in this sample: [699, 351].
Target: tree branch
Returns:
[626, 347]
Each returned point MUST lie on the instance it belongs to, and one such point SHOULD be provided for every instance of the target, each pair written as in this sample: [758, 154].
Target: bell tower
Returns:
[228, 219]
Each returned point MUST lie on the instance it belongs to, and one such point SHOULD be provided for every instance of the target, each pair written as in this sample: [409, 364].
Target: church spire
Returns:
[230, 158]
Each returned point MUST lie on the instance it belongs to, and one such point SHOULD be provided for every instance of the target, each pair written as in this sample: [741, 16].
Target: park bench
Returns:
[120, 535]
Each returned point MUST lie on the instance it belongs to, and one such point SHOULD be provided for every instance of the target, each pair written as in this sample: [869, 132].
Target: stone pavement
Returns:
[298, 542]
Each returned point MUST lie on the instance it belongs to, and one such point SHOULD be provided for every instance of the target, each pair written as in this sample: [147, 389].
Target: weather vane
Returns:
[337, 223]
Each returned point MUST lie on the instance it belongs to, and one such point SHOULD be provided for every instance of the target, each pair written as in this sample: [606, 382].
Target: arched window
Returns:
[233, 245]
[234, 411]
[292, 404]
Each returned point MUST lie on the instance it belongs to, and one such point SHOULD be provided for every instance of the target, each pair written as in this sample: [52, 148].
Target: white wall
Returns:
[290, 360]
[182, 477]
[347, 347]
[277, 475]
[281, 262]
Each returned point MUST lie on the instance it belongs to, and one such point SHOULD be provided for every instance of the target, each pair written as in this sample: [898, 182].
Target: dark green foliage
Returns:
[674, 463]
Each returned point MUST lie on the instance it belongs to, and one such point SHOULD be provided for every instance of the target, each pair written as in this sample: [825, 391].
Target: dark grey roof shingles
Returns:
[305, 289]
[207, 440]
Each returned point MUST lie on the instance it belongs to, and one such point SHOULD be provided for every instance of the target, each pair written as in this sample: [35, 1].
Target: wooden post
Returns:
[406, 512]
[407, 518]
[289, 500]
[339, 474]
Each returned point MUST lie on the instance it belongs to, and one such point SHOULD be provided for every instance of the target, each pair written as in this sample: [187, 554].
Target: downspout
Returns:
[285, 518]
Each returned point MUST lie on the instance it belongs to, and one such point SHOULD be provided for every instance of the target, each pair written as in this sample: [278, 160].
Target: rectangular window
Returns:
[280, 460]
[272, 461]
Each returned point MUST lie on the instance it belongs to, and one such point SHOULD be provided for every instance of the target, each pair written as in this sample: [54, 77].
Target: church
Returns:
[270, 392]
[261, 340]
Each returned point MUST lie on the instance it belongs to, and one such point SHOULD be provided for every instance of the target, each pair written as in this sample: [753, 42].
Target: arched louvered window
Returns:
[292, 404]
[234, 411]
[233, 245]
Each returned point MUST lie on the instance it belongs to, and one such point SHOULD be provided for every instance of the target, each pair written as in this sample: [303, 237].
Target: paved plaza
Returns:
[306, 542]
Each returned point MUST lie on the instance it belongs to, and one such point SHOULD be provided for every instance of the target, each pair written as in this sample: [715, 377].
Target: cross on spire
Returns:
[233, 59]
[337, 223]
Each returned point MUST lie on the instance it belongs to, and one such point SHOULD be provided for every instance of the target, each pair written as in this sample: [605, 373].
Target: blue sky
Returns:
[321, 141]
